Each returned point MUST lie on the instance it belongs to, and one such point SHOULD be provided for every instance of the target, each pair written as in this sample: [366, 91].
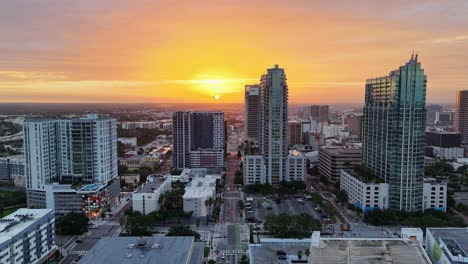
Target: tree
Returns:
[241, 205]
[291, 226]
[182, 230]
[72, 224]
[299, 254]
[211, 261]
[144, 173]
[209, 202]
[244, 259]
[238, 179]
[251, 239]
[122, 169]
[120, 149]
[342, 196]
[307, 252]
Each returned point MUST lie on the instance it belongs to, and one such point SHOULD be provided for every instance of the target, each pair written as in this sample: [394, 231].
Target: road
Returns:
[16, 136]
[110, 227]
[231, 234]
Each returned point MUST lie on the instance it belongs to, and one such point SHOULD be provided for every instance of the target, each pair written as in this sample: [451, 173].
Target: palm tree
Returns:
[299, 254]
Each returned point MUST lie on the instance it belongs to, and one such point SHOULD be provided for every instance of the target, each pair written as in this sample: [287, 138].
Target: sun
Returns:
[217, 97]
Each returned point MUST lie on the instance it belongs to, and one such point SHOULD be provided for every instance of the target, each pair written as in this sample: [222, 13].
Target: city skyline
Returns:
[182, 53]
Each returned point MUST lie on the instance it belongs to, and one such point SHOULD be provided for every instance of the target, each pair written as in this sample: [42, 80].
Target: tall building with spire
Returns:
[394, 133]
[273, 138]
[274, 163]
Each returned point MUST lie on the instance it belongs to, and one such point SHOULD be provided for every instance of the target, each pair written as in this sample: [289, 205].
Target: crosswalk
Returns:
[78, 252]
[232, 251]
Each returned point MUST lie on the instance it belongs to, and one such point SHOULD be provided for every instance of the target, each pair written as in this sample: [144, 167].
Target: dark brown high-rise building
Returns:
[354, 124]
[294, 133]
[319, 113]
[461, 116]
[252, 110]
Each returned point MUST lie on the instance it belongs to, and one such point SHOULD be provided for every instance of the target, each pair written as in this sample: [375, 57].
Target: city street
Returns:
[107, 228]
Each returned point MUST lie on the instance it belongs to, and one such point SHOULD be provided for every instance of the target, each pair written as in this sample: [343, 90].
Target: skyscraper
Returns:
[294, 133]
[252, 95]
[319, 113]
[274, 164]
[198, 139]
[181, 138]
[394, 133]
[84, 148]
[40, 152]
[273, 138]
[353, 123]
[461, 117]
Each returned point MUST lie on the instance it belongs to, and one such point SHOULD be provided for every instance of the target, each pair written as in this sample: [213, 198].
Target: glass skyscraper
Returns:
[272, 138]
[394, 133]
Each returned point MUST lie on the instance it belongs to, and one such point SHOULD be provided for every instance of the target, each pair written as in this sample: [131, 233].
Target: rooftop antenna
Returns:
[416, 58]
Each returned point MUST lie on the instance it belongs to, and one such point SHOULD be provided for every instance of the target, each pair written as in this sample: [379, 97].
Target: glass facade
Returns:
[272, 136]
[394, 133]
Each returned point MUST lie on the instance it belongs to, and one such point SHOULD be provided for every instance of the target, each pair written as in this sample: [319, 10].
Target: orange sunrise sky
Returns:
[193, 51]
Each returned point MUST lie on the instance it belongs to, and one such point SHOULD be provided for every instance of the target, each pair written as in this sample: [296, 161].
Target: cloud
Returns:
[31, 75]
[450, 40]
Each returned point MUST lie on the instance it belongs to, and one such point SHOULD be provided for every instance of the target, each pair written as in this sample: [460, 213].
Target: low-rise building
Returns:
[325, 250]
[332, 159]
[12, 169]
[133, 163]
[362, 193]
[435, 194]
[447, 245]
[198, 191]
[296, 166]
[254, 169]
[368, 194]
[153, 156]
[130, 141]
[90, 199]
[27, 236]
[131, 178]
[146, 199]
[144, 250]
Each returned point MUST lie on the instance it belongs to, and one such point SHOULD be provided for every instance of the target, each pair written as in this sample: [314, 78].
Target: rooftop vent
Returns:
[141, 242]
[155, 245]
[131, 245]
[128, 255]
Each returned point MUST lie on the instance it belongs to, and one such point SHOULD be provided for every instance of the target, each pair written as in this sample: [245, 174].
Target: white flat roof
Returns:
[198, 192]
[16, 222]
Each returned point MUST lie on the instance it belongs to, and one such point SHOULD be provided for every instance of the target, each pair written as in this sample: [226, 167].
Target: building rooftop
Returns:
[456, 240]
[198, 192]
[339, 251]
[265, 253]
[92, 187]
[135, 250]
[14, 223]
[365, 251]
[337, 150]
[152, 184]
[135, 157]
